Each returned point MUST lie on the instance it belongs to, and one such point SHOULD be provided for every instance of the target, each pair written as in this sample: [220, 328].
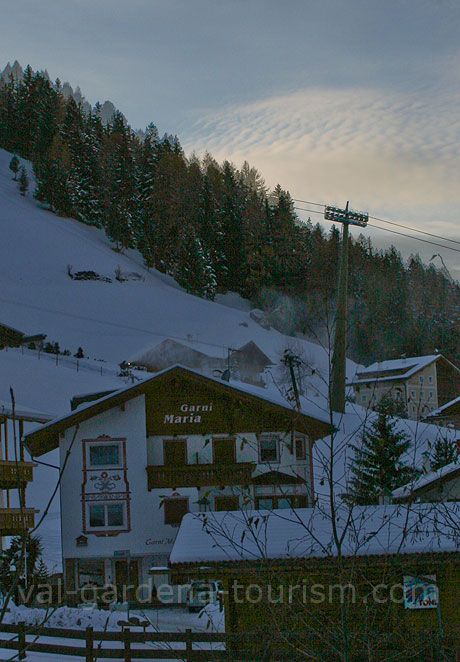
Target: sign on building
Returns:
[420, 592]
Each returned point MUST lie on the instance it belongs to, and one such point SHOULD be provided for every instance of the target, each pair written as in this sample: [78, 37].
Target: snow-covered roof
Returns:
[427, 480]
[85, 412]
[402, 369]
[307, 533]
[23, 413]
[442, 410]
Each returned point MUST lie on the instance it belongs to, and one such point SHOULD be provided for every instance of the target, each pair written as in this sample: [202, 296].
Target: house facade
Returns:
[419, 384]
[134, 462]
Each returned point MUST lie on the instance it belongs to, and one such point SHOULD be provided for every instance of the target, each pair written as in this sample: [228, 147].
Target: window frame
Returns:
[105, 504]
[264, 437]
[304, 455]
[275, 498]
[221, 498]
[94, 443]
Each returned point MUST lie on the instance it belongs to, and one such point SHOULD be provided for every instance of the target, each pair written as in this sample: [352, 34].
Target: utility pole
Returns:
[338, 371]
[291, 360]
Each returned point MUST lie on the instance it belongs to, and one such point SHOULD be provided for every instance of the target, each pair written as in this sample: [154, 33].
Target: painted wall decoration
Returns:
[105, 493]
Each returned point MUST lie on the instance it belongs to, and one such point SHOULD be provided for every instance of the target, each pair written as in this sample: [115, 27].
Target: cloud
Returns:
[392, 153]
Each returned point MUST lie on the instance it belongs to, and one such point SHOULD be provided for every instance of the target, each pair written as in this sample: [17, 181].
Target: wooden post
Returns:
[21, 640]
[127, 640]
[6, 458]
[89, 638]
[188, 645]
[21, 445]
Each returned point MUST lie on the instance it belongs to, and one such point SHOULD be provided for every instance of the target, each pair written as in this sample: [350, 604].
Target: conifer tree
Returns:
[377, 467]
[194, 271]
[443, 452]
[23, 181]
[14, 166]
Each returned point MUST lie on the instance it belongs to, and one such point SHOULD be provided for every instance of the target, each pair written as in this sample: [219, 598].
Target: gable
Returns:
[180, 404]
[170, 397]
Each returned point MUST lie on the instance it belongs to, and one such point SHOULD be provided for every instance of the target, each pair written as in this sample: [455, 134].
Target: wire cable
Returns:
[401, 234]
[381, 220]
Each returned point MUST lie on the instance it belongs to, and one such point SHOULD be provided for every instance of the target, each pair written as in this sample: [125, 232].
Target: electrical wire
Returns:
[401, 234]
[382, 220]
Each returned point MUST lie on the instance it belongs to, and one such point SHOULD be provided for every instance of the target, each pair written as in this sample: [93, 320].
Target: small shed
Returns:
[390, 586]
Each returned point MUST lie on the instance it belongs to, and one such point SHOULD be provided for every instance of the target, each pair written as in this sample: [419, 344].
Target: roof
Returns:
[428, 481]
[42, 440]
[306, 533]
[23, 413]
[394, 369]
[444, 410]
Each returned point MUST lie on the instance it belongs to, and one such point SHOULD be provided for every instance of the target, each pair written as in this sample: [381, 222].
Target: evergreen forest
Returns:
[216, 228]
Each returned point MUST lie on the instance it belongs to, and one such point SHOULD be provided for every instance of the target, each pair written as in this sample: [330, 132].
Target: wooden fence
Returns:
[26, 639]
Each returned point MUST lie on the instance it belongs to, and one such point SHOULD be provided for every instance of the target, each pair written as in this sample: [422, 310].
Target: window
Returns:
[175, 508]
[104, 455]
[364, 398]
[268, 447]
[106, 515]
[175, 452]
[300, 448]
[430, 379]
[91, 573]
[412, 393]
[422, 379]
[227, 503]
[281, 501]
[431, 395]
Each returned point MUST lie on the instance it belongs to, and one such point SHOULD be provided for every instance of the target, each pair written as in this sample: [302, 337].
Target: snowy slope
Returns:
[111, 321]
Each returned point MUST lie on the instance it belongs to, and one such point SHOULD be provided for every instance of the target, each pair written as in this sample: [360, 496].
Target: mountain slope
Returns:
[111, 321]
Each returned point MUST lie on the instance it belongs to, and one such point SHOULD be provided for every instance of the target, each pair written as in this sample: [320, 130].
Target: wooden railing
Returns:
[185, 646]
[13, 475]
[13, 522]
[200, 475]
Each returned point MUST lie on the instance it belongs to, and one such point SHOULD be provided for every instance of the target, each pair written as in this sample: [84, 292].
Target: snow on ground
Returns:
[210, 619]
[113, 320]
[334, 454]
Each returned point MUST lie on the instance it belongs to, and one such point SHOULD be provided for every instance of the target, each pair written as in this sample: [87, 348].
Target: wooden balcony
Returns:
[200, 475]
[12, 523]
[14, 475]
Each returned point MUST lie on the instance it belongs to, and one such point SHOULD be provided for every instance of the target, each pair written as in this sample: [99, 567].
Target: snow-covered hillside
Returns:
[109, 320]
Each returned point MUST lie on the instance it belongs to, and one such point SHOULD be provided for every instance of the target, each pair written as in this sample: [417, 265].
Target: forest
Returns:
[216, 228]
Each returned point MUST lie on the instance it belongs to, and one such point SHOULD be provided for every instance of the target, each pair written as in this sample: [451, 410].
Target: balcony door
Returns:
[223, 452]
[175, 452]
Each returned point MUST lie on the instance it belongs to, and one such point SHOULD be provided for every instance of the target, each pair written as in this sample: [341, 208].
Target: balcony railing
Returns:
[14, 474]
[200, 475]
[13, 522]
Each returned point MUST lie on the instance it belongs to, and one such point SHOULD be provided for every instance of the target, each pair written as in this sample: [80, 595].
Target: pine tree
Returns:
[14, 166]
[377, 467]
[443, 452]
[23, 181]
[194, 271]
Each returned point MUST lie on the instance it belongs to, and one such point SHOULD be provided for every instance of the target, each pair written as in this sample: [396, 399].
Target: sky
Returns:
[335, 100]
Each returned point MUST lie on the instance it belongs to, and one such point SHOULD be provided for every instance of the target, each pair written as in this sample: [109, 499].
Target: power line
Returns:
[382, 220]
[401, 234]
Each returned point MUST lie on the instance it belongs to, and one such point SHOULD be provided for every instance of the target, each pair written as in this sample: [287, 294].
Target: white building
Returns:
[135, 461]
[420, 384]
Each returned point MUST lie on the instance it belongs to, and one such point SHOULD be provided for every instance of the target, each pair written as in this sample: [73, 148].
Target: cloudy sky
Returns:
[334, 99]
